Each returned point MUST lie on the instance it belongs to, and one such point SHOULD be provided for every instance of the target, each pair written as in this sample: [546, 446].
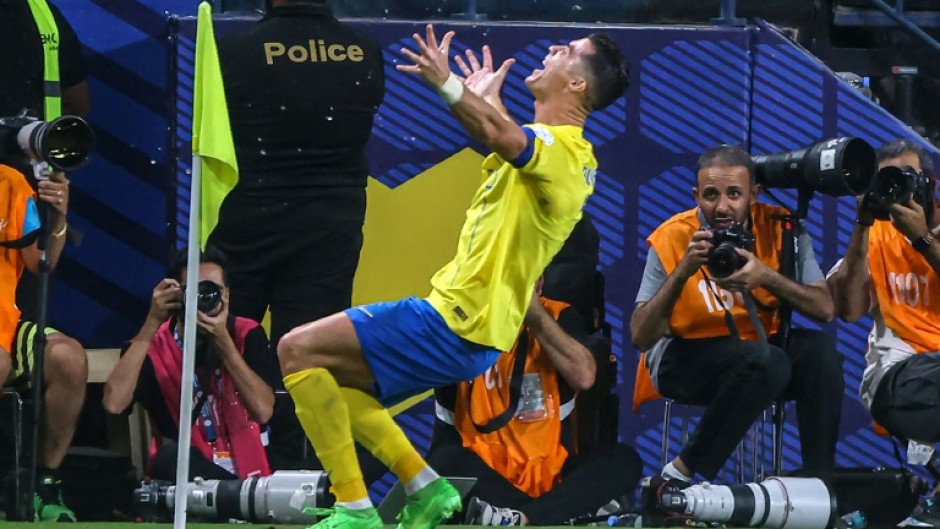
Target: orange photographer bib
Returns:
[907, 288]
[699, 312]
[527, 451]
[15, 194]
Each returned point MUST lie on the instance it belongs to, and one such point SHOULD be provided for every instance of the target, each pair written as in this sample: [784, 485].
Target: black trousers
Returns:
[164, 465]
[302, 276]
[589, 481]
[907, 402]
[736, 380]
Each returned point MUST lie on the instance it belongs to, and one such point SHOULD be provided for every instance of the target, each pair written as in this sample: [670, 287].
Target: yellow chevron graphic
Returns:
[412, 230]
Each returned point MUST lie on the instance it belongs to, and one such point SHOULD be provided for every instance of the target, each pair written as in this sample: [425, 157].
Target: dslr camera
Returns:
[208, 298]
[723, 259]
[894, 185]
[63, 143]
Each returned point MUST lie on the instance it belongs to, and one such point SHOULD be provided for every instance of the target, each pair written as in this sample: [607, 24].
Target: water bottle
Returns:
[852, 520]
[625, 520]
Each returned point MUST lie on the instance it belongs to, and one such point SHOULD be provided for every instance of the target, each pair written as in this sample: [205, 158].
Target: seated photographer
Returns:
[700, 345]
[526, 467]
[890, 271]
[65, 365]
[231, 390]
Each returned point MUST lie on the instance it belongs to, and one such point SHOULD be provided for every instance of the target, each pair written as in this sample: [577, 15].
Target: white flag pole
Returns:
[189, 350]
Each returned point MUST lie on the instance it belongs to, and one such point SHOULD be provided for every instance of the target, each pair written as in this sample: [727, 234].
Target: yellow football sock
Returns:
[375, 429]
[323, 413]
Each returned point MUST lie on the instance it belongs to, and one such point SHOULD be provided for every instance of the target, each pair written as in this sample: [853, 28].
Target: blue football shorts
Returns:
[410, 349]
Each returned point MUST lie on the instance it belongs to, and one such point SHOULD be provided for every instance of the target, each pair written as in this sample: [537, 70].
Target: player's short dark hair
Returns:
[609, 70]
[725, 156]
[212, 255]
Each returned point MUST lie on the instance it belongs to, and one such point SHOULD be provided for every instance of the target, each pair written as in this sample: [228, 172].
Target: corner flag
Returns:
[215, 173]
[212, 133]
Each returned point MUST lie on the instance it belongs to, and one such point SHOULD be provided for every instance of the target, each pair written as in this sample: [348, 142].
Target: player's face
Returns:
[562, 65]
[724, 195]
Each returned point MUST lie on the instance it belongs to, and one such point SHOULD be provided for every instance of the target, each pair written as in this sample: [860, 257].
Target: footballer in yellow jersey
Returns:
[343, 370]
[518, 220]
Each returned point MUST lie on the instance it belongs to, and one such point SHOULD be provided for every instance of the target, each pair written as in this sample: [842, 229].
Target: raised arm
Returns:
[650, 320]
[486, 123]
[254, 392]
[812, 299]
[573, 360]
[121, 383]
[911, 221]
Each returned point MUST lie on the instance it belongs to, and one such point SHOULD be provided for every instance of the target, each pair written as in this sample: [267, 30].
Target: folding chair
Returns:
[16, 400]
[644, 391]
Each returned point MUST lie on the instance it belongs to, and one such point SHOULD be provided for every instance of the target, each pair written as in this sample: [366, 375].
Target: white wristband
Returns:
[452, 90]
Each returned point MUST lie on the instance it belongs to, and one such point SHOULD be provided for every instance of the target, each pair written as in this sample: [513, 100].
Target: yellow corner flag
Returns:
[212, 133]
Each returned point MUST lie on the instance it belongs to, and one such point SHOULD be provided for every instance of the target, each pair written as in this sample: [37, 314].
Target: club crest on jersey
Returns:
[545, 135]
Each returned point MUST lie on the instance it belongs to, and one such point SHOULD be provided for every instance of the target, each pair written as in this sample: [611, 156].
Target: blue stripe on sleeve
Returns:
[31, 222]
[526, 155]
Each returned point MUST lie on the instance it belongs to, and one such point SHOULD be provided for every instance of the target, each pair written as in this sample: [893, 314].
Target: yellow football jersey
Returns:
[522, 213]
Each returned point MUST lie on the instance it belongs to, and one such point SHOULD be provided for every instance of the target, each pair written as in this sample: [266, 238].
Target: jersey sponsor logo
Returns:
[460, 313]
[313, 51]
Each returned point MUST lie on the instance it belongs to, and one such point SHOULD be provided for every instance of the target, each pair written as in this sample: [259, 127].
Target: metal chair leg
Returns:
[667, 419]
[17, 409]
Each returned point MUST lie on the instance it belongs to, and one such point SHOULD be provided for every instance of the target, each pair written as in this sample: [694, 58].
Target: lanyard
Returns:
[204, 413]
[50, 36]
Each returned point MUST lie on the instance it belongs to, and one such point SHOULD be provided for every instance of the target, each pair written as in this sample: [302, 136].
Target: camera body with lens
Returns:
[208, 298]
[895, 185]
[723, 258]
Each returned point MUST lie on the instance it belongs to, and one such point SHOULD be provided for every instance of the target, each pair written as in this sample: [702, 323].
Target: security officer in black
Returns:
[21, 57]
[302, 90]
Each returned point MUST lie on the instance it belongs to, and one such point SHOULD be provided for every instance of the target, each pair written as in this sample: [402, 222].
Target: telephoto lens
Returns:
[776, 503]
[284, 497]
[65, 143]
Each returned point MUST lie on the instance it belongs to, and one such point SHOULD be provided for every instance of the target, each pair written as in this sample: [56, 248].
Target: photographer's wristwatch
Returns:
[922, 243]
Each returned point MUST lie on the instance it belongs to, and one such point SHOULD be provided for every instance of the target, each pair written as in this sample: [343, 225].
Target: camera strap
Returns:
[201, 406]
[750, 305]
[515, 389]
[22, 242]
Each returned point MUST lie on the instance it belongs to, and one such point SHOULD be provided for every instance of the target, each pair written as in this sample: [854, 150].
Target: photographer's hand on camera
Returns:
[214, 326]
[165, 301]
[750, 276]
[696, 254]
[909, 219]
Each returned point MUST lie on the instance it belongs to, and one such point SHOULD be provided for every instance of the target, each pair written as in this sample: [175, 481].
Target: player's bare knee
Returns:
[293, 353]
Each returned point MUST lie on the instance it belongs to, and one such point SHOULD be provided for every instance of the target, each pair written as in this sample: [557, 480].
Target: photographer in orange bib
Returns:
[702, 347]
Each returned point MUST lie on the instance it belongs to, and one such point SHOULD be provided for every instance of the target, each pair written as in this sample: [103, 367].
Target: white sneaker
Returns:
[481, 513]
